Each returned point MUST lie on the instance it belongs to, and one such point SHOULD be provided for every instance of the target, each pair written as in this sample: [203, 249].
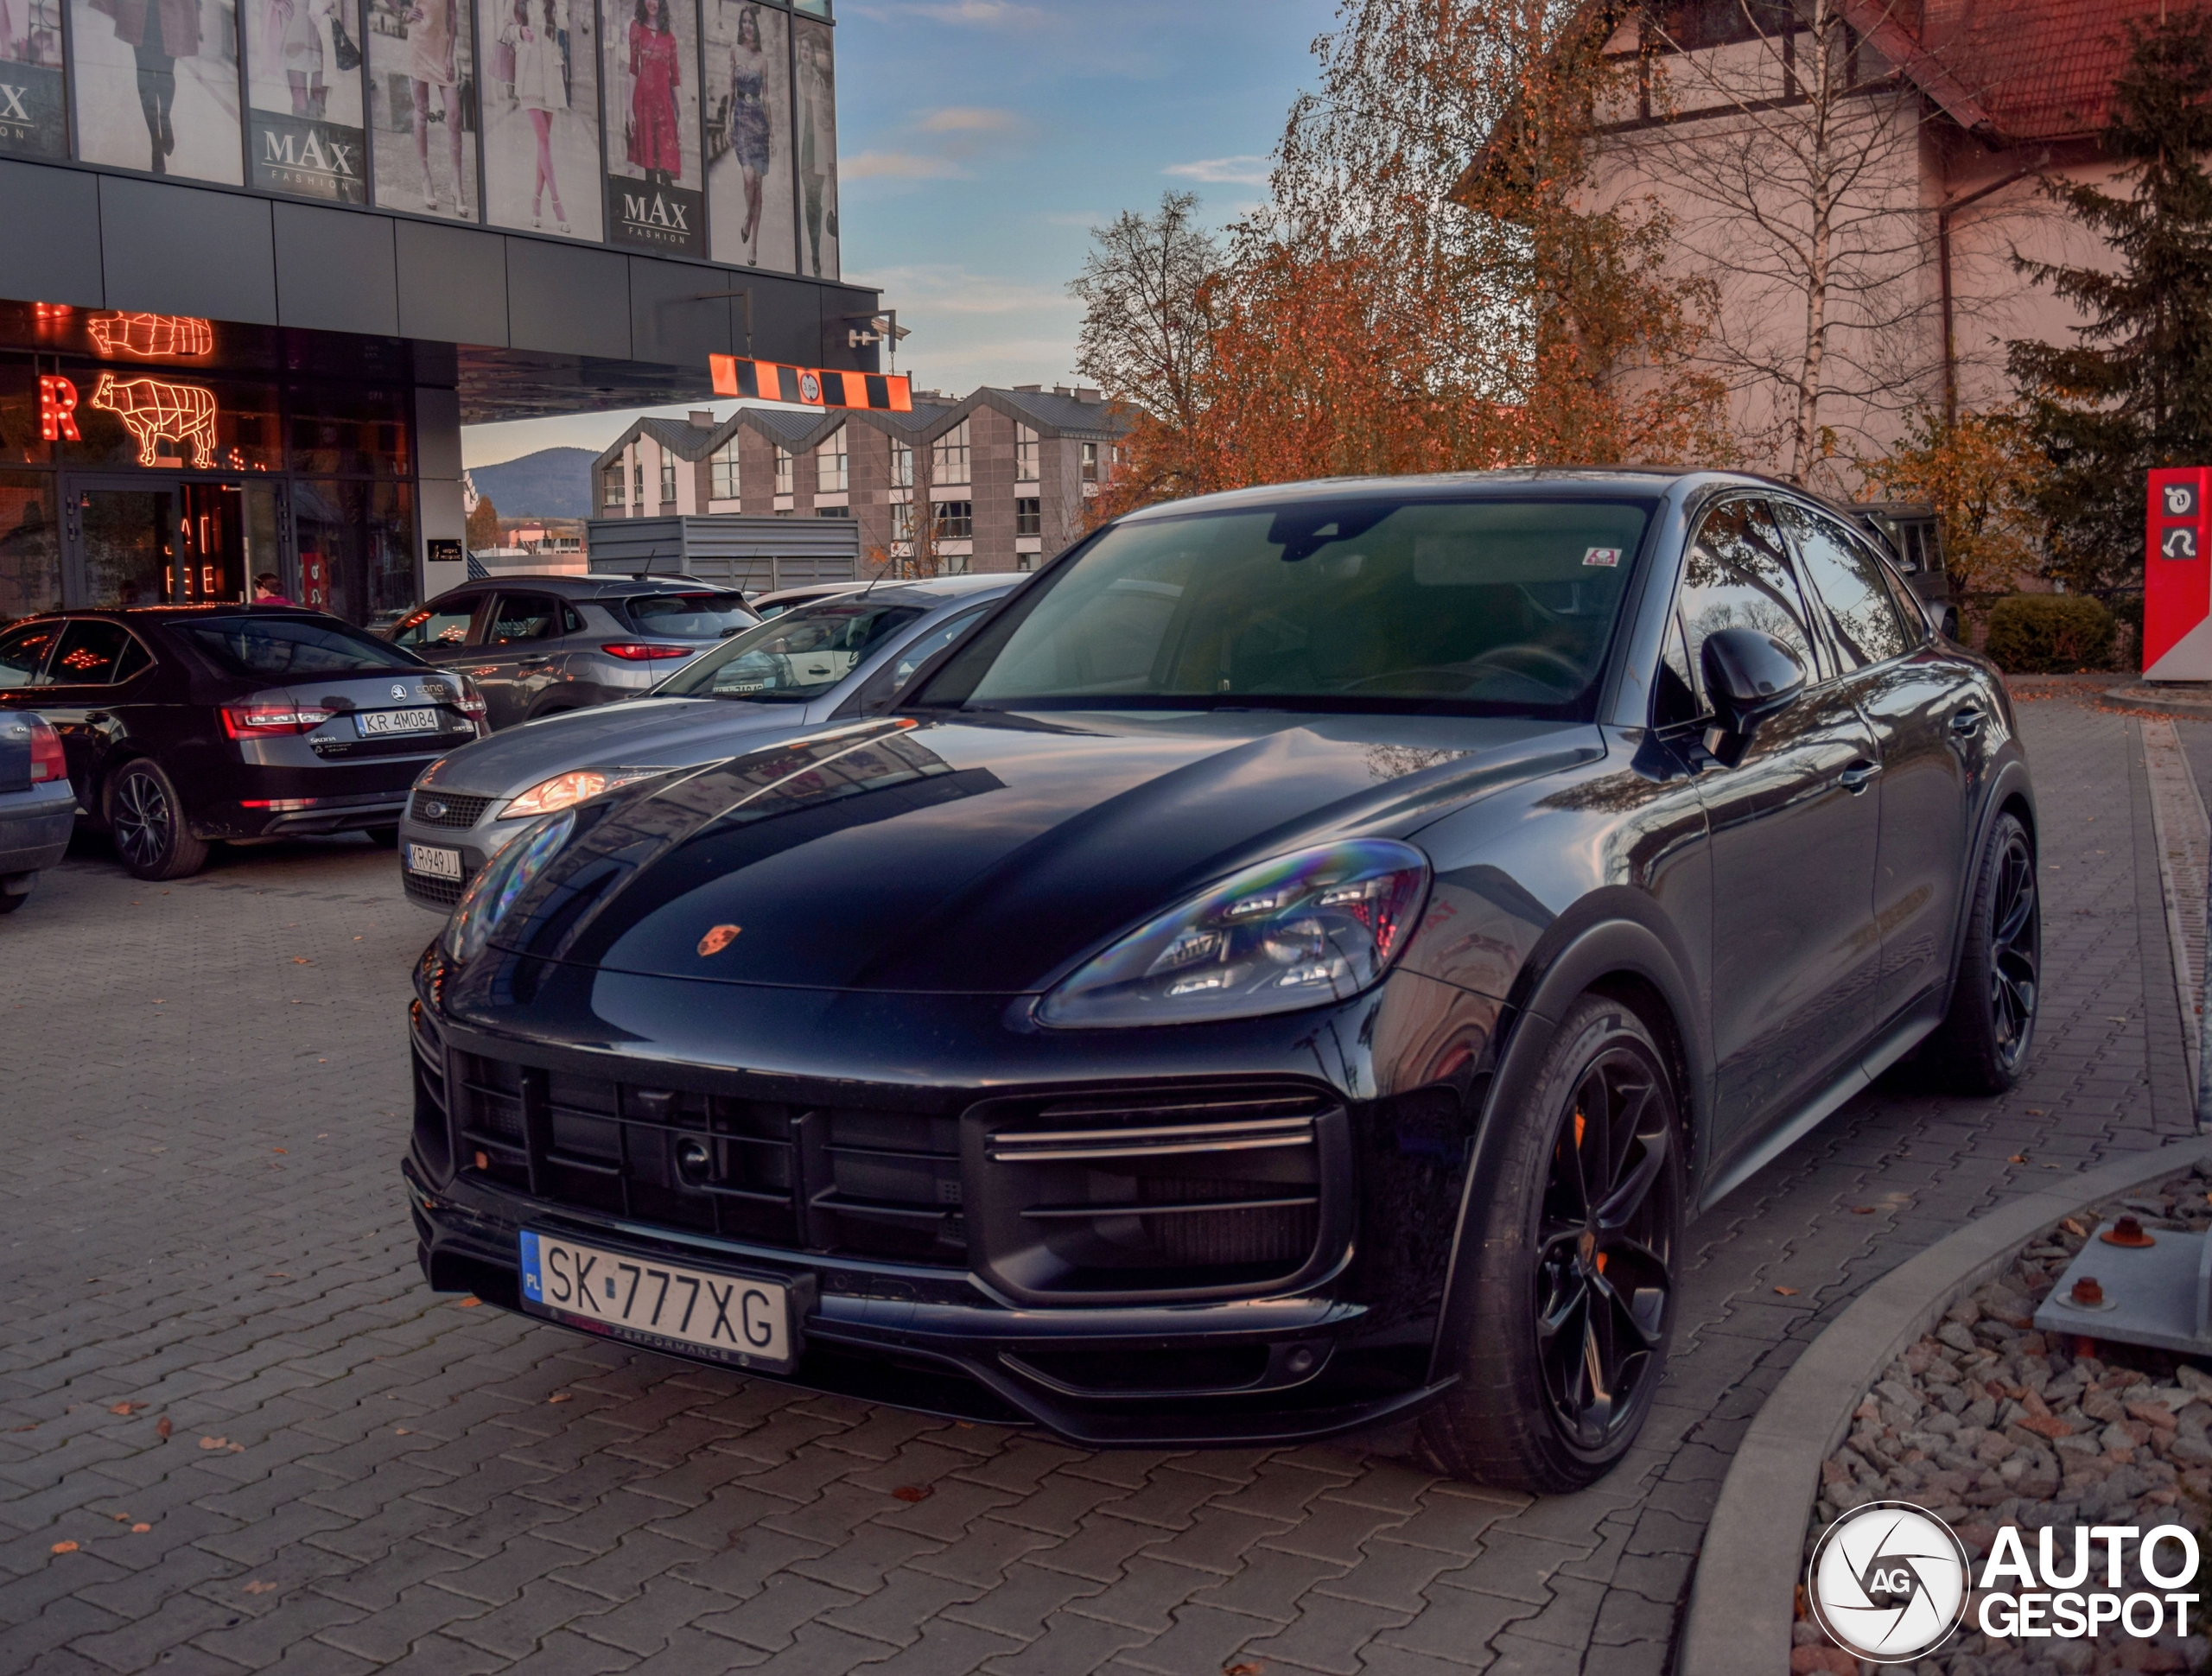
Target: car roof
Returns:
[142, 614]
[597, 585]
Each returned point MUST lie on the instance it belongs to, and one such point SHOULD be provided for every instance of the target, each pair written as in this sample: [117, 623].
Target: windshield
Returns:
[286, 647]
[695, 616]
[1486, 607]
[793, 657]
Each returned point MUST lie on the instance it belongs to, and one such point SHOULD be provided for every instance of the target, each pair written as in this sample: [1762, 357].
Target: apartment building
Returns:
[994, 481]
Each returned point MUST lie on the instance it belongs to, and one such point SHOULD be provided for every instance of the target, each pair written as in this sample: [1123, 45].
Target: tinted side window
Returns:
[445, 624]
[91, 653]
[23, 650]
[1738, 575]
[523, 617]
[1847, 580]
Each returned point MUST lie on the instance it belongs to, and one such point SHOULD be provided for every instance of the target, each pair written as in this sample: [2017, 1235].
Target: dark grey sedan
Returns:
[540, 646]
[837, 659]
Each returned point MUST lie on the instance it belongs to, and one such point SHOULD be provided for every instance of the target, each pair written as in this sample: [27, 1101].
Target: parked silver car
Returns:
[538, 645]
[838, 658]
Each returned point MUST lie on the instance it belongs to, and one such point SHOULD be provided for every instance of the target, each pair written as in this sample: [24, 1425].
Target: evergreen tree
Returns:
[2136, 391]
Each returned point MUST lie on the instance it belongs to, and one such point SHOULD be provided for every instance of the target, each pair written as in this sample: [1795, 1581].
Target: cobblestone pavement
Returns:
[236, 1433]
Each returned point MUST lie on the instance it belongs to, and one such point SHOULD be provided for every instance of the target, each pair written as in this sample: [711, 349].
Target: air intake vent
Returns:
[1193, 1193]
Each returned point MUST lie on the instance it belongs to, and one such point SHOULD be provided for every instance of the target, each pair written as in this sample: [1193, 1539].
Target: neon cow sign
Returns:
[155, 412]
[151, 335]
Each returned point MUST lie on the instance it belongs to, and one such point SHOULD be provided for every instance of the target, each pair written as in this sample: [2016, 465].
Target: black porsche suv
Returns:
[1298, 962]
[185, 725]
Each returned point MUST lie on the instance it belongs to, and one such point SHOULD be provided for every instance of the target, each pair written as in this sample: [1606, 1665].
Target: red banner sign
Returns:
[810, 386]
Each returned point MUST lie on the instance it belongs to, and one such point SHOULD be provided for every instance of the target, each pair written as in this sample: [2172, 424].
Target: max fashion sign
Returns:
[1891, 1583]
[701, 127]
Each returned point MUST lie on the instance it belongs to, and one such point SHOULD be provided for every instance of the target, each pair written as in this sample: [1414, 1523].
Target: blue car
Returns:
[37, 807]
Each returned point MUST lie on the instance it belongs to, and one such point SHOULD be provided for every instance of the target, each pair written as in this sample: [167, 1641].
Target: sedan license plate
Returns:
[369, 724]
[734, 1317]
[436, 862]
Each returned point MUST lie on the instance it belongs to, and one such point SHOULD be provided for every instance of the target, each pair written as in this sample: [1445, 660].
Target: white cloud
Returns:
[970, 119]
[898, 166]
[1246, 171]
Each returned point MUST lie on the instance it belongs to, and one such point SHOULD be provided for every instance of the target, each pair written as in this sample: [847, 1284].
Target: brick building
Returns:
[1000, 476]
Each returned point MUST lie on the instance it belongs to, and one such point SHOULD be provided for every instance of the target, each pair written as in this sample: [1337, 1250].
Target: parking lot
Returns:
[237, 1433]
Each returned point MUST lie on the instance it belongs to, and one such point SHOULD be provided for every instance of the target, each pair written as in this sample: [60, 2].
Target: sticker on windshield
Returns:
[1608, 557]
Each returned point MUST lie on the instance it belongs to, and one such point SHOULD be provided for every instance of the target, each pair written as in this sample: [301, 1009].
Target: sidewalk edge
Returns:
[1743, 1597]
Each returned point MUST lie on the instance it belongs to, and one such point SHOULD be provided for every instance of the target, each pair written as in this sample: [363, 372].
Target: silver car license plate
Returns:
[739, 1319]
[436, 862]
[370, 723]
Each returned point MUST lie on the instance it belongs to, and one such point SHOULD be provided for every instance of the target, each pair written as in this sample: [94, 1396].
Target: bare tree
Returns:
[1143, 292]
[1794, 157]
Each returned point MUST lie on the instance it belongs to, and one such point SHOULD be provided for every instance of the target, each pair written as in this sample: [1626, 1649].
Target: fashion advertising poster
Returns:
[541, 115]
[303, 98]
[157, 85]
[422, 105]
[814, 99]
[748, 110]
[656, 199]
[33, 122]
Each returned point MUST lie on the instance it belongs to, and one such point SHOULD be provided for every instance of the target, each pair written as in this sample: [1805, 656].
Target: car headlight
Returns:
[1318, 925]
[493, 890]
[573, 787]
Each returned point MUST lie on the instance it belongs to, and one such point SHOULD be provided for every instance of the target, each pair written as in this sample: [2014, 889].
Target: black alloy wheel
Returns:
[148, 821]
[1605, 1289]
[1981, 1046]
[1559, 1319]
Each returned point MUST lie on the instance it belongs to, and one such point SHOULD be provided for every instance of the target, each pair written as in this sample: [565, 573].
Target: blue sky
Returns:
[982, 139]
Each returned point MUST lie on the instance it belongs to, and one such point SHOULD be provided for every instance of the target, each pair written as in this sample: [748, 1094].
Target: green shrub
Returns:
[2049, 634]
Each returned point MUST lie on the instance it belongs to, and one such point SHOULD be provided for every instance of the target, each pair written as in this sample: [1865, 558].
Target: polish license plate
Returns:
[436, 862]
[369, 724]
[735, 1317]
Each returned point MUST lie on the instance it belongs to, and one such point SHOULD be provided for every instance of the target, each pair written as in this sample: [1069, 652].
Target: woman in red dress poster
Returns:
[657, 70]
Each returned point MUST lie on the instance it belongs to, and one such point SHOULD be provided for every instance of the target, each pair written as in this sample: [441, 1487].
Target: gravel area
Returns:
[1987, 1422]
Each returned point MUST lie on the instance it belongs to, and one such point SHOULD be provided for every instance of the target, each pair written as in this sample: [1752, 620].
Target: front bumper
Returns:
[1340, 1337]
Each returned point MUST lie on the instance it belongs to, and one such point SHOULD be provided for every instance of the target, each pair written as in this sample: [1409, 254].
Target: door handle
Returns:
[1967, 722]
[1855, 778]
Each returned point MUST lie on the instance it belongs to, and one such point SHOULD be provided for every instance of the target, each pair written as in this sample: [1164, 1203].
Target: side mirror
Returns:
[1750, 675]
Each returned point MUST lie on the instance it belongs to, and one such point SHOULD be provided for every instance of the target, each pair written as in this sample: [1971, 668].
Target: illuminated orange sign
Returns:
[57, 409]
[153, 411]
[151, 334]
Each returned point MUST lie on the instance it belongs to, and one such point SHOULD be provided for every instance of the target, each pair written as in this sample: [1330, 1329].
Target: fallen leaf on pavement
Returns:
[276, 1149]
[140, 1529]
[468, 1303]
[33, 1426]
[65, 1547]
[125, 1407]
[215, 1443]
[1786, 1292]
[2018, 1158]
[162, 1428]
[1862, 1210]
[561, 1396]
[258, 1587]
[1243, 1668]
[913, 1492]
[402, 1431]
[301, 960]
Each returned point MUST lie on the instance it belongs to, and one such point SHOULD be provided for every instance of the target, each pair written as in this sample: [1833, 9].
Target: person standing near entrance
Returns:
[267, 590]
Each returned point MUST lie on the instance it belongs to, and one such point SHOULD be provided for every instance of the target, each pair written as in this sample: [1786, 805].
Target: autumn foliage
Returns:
[1431, 285]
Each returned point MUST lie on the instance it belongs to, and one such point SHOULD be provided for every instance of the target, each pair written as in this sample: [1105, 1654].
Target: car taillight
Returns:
[47, 761]
[639, 651]
[258, 718]
[469, 704]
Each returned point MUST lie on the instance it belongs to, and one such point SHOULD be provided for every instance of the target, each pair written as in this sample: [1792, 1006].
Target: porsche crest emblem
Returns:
[718, 939]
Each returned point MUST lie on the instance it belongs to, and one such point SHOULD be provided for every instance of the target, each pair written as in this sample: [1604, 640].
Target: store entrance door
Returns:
[140, 540]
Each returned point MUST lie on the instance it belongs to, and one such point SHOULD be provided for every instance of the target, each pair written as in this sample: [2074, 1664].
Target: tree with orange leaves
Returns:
[1393, 309]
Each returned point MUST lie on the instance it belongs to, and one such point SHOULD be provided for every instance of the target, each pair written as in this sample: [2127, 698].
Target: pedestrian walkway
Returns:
[237, 1434]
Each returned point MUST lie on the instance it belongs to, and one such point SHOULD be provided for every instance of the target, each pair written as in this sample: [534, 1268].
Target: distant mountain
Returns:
[553, 483]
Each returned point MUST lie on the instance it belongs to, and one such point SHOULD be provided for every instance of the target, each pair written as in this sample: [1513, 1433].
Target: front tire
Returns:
[147, 819]
[1563, 1324]
[1981, 1046]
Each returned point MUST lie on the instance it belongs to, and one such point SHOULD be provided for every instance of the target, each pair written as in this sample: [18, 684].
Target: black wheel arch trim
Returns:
[2011, 783]
[1612, 933]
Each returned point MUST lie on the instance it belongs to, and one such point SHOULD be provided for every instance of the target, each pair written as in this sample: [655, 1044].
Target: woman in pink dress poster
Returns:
[656, 69]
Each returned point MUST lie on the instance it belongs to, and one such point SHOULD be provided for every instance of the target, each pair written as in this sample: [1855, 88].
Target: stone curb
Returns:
[2189, 702]
[1743, 1600]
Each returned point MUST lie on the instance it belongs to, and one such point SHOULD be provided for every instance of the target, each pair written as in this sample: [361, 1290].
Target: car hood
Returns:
[643, 733]
[983, 854]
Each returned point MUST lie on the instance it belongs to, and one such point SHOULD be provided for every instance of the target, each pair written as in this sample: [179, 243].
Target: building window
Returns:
[638, 479]
[949, 455]
[902, 465]
[1029, 516]
[612, 477]
[902, 520]
[667, 478]
[1091, 462]
[1025, 454]
[829, 465]
[952, 564]
[954, 520]
[1025, 562]
[1694, 24]
[833, 512]
[722, 467]
[784, 471]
